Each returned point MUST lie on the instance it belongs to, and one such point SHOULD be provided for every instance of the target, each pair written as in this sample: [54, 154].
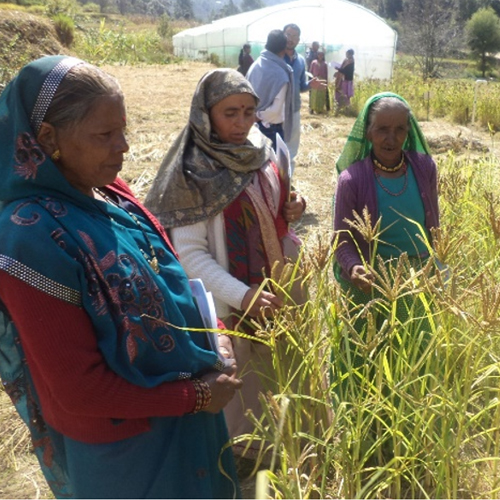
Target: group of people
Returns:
[343, 77]
[102, 348]
[280, 74]
[279, 77]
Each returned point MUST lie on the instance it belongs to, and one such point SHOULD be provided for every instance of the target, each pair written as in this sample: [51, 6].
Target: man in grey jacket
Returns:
[272, 79]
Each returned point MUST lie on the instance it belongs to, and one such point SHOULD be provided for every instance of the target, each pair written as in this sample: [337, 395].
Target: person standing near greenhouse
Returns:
[245, 60]
[301, 84]
[219, 193]
[319, 99]
[345, 88]
[312, 54]
[272, 80]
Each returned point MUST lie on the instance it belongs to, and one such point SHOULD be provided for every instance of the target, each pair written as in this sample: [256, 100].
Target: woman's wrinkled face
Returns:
[92, 151]
[232, 118]
[387, 133]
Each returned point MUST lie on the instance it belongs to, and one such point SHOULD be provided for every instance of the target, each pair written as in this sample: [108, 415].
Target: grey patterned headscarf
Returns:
[200, 176]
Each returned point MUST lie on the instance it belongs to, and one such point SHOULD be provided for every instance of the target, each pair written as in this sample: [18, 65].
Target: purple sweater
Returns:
[356, 190]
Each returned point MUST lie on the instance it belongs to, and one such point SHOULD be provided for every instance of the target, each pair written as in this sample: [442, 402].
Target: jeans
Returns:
[271, 131]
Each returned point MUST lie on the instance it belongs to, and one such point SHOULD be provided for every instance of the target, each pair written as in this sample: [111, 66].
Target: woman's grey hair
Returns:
[383, 104]
[77, 94]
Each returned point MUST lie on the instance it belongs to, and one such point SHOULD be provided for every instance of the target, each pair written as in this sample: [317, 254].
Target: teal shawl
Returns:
[87, 253]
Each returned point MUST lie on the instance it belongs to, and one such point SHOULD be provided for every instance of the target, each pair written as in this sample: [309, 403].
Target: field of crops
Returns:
[420, 416]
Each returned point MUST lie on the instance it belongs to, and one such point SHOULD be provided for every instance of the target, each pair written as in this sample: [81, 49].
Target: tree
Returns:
[164, 28]
[124, 6]
[428, 32]
[374, 5]
[183, 9]
[483, 35]
[483, 4]
[390, 9]
[155, 8]
[465, 9]
[228, 9]
[248, 5]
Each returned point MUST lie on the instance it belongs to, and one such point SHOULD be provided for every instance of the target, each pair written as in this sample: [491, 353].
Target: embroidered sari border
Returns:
[39, 281]
[49, 88]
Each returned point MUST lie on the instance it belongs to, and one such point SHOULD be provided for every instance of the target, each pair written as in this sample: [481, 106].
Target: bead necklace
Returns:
[152, 260]
[389, 169]
[399, 193]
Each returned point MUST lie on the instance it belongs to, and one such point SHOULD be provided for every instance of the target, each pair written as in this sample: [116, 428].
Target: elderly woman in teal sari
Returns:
[385, 168]
[98, 348]
[386, 172]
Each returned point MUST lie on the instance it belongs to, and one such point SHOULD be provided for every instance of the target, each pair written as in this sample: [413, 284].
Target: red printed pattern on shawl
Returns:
[28, 156]
[244, 238]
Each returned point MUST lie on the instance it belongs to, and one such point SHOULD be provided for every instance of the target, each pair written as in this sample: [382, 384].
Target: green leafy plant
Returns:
[458, 100]
[164, 26]
[65, 28]
[366, 402]
[104, 45]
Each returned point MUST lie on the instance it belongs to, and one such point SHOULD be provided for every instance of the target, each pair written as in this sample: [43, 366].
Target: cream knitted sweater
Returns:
[203, 254]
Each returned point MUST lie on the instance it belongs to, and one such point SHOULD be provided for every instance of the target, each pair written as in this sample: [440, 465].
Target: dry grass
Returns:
[20, 475]
[158, 100]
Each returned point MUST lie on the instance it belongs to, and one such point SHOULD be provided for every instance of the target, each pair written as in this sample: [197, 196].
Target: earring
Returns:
[56, 155]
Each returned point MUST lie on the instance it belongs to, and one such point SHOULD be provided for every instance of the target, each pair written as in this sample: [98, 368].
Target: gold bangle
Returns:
[203, 394]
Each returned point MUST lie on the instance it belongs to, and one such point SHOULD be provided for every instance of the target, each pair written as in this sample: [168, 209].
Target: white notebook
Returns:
[206, 306]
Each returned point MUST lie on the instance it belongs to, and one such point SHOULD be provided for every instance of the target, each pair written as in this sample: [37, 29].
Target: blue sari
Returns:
[93, 255]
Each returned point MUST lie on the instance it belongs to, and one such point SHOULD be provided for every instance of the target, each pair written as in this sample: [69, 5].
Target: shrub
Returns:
[28, 3]
[65, 29]
[91, 7]
[36, 9]
[68, 7]
[459, 100]
[214, 59]
[164, 29]
[105, 46]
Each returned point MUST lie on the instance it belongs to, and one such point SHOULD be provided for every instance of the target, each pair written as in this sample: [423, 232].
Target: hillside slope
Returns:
[204, 8]
[24, 37]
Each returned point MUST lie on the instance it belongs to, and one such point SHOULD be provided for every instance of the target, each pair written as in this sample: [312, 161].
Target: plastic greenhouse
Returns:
[337, 25]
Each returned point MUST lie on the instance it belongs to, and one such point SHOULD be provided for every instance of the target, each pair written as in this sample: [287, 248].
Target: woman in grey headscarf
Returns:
[220, 195]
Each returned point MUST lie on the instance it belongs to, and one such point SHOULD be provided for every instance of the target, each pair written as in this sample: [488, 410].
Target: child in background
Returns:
[319, 98]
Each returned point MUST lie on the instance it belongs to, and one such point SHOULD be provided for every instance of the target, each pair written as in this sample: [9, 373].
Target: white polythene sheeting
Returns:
[337, 25]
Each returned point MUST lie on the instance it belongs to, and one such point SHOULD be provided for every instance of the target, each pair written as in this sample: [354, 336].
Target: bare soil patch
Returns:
[158, 100]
